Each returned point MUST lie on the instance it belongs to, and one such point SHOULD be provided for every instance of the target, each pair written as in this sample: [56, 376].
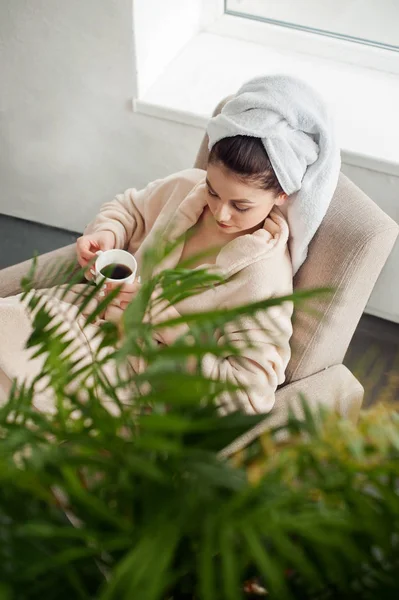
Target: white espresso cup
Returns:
[119, 258]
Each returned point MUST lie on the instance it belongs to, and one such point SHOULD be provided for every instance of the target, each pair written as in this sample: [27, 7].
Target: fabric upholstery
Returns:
[347, 254]
[334, 388]
[48, 271]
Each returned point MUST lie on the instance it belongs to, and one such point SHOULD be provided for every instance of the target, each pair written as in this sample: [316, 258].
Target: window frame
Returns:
[305, 41]
[309, 29]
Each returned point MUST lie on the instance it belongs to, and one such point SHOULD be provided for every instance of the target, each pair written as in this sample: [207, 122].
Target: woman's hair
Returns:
[248, 159]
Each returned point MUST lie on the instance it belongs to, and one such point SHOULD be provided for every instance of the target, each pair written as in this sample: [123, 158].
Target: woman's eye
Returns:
[240, 209]
[211, 193]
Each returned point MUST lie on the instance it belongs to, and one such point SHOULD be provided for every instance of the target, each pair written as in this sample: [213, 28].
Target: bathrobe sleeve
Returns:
[125, 216]
[264, 348]
[131, 215]
[264, 354]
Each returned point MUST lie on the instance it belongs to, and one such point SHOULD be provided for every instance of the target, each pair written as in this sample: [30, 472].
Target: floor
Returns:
[373, 355]
[20, 239]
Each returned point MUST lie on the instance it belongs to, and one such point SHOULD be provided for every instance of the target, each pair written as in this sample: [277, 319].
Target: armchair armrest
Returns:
[335, 388]
[47, 274]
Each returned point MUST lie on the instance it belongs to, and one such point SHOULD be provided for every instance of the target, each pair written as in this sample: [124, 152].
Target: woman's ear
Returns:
[281, 199]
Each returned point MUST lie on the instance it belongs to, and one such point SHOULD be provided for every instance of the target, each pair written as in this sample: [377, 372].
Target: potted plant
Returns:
[140, 503]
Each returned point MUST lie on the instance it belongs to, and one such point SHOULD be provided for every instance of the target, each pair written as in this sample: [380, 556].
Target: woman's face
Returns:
[236, 206]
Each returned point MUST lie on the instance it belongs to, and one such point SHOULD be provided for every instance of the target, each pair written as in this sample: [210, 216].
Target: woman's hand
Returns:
[119, 304]
[162, 312]
[88, 245]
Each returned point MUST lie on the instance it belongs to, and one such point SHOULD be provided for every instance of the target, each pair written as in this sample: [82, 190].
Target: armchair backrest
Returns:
[347, 253]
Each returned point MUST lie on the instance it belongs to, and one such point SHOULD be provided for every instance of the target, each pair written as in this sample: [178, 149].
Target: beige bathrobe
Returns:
[254, 267]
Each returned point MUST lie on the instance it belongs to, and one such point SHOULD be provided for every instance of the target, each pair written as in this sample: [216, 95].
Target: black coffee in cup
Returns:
[116, 271]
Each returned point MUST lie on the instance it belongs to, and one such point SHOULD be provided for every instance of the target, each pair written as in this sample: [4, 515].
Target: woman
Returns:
[272, 152]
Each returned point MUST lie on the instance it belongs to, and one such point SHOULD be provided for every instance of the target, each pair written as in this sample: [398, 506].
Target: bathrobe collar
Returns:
[235, 255]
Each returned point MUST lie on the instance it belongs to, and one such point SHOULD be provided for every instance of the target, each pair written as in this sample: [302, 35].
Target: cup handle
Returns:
[92, 271]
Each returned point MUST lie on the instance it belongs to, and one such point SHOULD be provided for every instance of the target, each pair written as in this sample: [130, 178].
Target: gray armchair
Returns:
[347, 253]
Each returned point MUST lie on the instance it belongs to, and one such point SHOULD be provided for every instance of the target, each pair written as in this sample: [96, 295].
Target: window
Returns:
[370, 22]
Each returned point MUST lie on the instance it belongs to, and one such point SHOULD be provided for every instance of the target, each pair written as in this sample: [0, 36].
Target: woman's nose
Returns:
[222, 214]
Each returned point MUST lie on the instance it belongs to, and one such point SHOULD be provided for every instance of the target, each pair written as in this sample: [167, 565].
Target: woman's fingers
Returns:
[126, 294]
[89, 274]
[88, 245]
[86, 250]
[113, 313]
[126, 288]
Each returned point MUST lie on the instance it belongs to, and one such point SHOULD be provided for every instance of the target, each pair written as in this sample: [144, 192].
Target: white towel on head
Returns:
[297, 132]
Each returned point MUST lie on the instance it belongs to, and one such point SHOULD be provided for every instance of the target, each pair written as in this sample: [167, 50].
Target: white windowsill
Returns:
[364, 101]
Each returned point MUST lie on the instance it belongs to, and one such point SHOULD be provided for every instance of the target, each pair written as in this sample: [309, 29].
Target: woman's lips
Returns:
[223, 225]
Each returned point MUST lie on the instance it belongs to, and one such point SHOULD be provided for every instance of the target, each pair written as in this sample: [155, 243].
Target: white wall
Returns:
[164, 19]
[68, 137]
[384, 190]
